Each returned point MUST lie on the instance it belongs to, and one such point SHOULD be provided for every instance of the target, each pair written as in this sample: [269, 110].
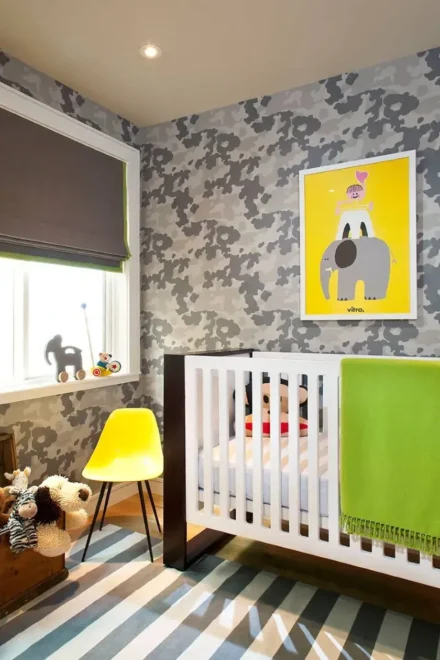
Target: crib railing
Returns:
[230, 493]
[208, 402]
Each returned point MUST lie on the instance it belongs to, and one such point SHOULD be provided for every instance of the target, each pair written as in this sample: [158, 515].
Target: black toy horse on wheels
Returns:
[65, 356]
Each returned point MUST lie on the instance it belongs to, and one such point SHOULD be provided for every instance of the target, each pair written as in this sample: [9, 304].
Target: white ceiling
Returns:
[215, 52]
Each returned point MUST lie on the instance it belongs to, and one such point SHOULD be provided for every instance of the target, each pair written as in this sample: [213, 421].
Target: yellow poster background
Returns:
[387, 186]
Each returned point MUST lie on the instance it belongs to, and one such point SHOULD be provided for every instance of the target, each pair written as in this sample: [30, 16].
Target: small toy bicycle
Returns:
[106, 366]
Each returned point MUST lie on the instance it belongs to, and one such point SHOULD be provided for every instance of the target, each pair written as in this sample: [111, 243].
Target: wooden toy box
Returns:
[28, 574]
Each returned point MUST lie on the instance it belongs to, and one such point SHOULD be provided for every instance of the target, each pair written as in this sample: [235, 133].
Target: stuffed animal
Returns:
[3, 516]
[21, 524]
[19, 479]
[284, 408]
[55, 495]
[6, 501]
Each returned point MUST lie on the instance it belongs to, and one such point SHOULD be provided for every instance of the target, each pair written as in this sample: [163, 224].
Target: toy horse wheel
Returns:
[114, 366]
[80, 374]
[96, 371]
[63, 376]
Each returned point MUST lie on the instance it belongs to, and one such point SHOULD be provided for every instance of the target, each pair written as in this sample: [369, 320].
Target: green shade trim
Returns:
[61, 262]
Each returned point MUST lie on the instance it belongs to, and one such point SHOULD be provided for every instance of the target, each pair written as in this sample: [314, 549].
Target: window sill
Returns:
[24, 392]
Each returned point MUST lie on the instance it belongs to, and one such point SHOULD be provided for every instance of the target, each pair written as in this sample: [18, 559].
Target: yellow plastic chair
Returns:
[129, 449]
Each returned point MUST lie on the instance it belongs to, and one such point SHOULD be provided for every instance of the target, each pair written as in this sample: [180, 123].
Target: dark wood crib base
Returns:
[177, 551]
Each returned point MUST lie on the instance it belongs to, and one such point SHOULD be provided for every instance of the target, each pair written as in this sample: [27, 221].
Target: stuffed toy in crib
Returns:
[284, 408]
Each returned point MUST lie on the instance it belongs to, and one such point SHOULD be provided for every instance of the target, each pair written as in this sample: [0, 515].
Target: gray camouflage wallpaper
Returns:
[221, 214]
[220, 231]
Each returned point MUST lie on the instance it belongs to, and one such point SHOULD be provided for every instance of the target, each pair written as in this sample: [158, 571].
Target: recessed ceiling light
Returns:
[150, 51]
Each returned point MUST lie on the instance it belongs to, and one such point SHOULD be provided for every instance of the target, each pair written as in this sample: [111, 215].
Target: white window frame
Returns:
[123, 321]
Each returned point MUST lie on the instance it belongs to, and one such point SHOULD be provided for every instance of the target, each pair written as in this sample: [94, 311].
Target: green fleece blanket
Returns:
[390, 451]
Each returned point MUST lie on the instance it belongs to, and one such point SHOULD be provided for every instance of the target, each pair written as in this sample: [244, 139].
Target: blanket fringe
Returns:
[429, 545]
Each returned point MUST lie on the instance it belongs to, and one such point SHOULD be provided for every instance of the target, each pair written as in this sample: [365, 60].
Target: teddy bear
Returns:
[21, 525]
[57, 495]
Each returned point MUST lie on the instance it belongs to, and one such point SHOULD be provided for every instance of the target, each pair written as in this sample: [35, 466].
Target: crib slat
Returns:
[331, 399]
[377, 548]
[313, 482]
[207, 439]
[192, 439]
[240, 467]
[275, 459]
[425, 563]
[401, 555]
[355, 545]
[294, 474]
[223, 441]
[257, 475]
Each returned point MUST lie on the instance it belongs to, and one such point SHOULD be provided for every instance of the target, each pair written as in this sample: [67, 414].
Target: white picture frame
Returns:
[380, 218]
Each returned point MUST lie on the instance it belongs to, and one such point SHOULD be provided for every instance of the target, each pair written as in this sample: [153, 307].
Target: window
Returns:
[6, 322]
[40, 300]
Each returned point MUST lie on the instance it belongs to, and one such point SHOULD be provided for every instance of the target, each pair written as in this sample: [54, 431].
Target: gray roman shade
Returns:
[59, 199]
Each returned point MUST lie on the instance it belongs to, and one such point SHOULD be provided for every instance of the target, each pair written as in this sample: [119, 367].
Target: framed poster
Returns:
[358, 239]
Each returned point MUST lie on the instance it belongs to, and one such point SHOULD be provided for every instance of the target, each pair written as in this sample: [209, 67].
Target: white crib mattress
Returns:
[323, 471]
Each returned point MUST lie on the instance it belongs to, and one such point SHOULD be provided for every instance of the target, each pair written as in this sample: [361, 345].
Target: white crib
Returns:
[283, 491]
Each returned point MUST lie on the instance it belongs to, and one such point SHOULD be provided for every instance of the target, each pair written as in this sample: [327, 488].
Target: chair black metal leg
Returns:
[144, 513]
[150, 495]
[95, 515]
[109, 490]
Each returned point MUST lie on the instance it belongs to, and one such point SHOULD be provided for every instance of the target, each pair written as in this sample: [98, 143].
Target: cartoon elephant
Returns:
[366, 258]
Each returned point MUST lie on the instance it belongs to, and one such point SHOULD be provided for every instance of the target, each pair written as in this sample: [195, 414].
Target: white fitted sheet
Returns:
[303, 462]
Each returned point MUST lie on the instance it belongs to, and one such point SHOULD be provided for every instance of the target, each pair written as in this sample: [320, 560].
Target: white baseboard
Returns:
[123, 491]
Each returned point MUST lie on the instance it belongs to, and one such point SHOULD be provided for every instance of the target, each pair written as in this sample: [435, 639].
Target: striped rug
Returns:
[119, 605]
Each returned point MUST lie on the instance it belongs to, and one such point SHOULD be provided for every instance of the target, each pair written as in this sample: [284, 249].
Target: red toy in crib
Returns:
[284, 427]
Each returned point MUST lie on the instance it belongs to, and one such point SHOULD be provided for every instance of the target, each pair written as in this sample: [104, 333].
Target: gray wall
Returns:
[220, 231]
